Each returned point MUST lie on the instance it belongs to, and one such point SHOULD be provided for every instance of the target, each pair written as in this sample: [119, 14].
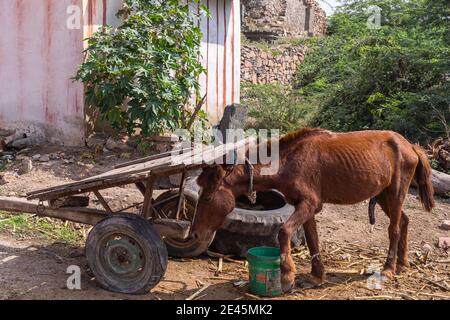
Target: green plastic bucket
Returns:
[264, 271]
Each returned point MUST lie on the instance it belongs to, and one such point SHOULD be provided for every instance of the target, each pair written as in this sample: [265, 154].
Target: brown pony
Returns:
[318, 166]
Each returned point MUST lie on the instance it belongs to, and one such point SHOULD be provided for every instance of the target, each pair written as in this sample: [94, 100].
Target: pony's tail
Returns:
[423, 178]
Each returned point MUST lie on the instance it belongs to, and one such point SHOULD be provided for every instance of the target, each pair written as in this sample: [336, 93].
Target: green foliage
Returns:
[275, 106]
[52, 230]
[143, 73]
[395, 77]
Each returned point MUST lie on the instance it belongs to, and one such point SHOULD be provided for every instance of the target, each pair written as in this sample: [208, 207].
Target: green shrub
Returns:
[395, 77]
[142, 74]
[274, 106]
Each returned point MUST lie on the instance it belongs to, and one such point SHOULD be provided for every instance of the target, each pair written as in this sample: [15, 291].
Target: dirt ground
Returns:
[32, 266]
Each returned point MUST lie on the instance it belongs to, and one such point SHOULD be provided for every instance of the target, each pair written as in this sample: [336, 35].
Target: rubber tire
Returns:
[155, 252]
[244, 229]
[194, 248]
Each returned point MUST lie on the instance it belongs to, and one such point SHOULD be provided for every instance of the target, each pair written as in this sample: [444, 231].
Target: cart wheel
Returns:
[183, 248]
[126, 254]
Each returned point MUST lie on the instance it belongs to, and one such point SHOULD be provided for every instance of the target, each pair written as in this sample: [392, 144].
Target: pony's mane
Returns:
[301, 134]
[297, 135]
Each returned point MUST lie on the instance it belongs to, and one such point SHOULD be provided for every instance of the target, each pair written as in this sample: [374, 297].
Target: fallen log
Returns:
[441, 183]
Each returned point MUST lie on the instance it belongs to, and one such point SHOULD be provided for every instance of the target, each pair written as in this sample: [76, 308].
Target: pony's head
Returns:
[215, 203]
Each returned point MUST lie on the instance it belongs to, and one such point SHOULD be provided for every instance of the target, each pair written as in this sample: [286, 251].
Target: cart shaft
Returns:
[165, 227]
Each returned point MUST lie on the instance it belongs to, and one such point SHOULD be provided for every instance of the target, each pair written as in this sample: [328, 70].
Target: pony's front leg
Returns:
[312, 240]
[304, 212]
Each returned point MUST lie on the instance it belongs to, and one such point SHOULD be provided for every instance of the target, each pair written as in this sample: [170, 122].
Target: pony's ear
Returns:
[211, 177]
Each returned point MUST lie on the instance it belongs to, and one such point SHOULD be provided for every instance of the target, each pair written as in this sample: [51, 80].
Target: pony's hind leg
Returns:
[393, 198]
[392, 206]
[402, 262]
[304, 211]
[312, 240]
[394, 237]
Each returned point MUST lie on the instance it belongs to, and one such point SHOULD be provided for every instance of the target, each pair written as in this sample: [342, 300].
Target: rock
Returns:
[44, 158]
[445, 225]
[258, 62]
[13, 137]
[234, 117]
[426, 248]
[95, 142]
[6, 132]
[36, 157]
[111, 144]
[8, 157]
[3, 180]
[444, 242]
[26, 166]
[69, 161]
[23, 143]
[118, 144]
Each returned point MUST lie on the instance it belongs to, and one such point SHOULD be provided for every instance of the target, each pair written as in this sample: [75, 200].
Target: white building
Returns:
[39, 54]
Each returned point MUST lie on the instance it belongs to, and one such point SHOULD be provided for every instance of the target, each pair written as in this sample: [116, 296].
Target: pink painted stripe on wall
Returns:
[38, 57]
[203, 24]
[237, 51]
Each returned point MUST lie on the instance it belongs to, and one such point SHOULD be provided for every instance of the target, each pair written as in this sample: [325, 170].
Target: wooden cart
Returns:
[128, 253]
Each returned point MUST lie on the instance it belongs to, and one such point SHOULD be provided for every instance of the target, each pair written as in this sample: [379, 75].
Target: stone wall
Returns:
[272, 19]
[319, 19]
[267, 65]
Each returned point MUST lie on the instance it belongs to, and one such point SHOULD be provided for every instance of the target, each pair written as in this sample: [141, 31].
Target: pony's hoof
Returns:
[318, 274]
[287, 287]
[317, 281]
[402, 267]
[388, 273]
[287, 282]
[404, 264]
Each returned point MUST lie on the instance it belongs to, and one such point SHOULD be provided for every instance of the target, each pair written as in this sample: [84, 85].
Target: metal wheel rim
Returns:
[121, 257]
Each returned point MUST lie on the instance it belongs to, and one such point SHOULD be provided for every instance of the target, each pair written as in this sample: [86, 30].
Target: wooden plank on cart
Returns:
[150, 158]
[141, 171]
[83, 186]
